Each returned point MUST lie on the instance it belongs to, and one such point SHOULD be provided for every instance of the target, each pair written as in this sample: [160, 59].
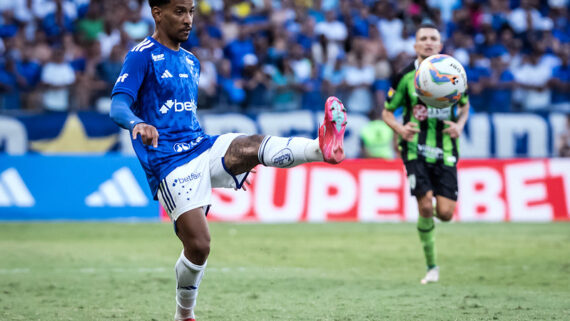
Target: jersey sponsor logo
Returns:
[158, 57]
[439, 113]
[13, 190]
[430, 152]
[284, 158]
[182, 147]
[420, 112]
[183, 75]
[120, 190]
[178, 106]
[122, 78]
[166, 74]
[186, 179]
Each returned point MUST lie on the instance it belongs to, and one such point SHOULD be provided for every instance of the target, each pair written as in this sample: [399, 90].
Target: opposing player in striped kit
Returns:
[428, 146]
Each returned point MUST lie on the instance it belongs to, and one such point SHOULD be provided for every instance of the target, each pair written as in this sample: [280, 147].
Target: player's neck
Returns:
[165, 41]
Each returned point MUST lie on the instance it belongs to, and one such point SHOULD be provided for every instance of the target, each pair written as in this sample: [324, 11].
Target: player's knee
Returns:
[200, 248]
[426, 209]
[445, 215]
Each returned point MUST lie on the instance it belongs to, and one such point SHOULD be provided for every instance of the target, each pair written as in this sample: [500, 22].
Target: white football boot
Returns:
[432, 275]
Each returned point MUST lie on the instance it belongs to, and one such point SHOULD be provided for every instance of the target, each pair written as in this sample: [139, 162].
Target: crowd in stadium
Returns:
[61, 55]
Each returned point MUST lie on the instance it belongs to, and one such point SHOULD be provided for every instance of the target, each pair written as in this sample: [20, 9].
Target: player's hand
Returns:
[409, 131]
[149, 134]
[453, 130]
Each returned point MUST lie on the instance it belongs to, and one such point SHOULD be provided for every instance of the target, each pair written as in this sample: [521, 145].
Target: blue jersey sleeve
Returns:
[121, 112]
[132, 74]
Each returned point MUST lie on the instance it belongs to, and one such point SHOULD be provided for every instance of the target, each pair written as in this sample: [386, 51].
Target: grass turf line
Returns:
[335, 271]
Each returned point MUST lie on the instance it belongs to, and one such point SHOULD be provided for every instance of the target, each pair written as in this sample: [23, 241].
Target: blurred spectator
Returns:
[478, 75]
[532, 78]
[232, 93]
[9, 27]
[236, 50]
[359, 79]
[334, 79]
[109, 70]
[59, 21]
[135, 27]
[300, 64]
[560, 82]
[57, 79]
[312, 89]
[500, 85]
[284, 95]
[31, 70]
[10, 83]
[528, 18]
[110, 37]
[91, 26]
[256, 83]
[207, 83]
[331, 28]
[376, 138]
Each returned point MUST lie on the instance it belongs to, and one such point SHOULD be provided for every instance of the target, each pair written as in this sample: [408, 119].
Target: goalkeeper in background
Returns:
[428, 146]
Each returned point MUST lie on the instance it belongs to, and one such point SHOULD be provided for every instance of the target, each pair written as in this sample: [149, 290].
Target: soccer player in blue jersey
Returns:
[155, 98]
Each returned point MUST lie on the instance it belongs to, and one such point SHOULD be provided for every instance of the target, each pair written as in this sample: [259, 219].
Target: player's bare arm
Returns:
[455, 128]
[148, 133]
[407, 131]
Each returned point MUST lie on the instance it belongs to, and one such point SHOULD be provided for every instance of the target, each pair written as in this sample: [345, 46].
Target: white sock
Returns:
[188, 277]
[288, 152]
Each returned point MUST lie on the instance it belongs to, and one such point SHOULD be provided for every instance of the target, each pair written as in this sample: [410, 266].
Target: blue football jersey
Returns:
[164, 86]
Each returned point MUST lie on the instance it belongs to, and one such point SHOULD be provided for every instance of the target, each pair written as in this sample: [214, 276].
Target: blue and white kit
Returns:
[162, 85]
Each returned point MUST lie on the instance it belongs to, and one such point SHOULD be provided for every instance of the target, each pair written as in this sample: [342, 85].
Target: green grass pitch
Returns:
[336, 271]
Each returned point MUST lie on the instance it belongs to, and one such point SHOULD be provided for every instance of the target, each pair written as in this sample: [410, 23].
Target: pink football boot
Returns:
[331, 132]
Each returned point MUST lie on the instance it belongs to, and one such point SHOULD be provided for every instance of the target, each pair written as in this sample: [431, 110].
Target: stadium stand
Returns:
[287, 55]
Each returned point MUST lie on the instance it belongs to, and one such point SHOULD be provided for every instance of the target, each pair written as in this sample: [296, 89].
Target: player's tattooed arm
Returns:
[148, 133]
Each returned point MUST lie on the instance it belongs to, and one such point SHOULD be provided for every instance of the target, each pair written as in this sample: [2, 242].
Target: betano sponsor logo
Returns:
[178, 106]
[13, 190]
[120, 190]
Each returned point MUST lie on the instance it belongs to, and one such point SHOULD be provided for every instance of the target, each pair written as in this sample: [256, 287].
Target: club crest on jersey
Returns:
[420, 112]
[178, 106]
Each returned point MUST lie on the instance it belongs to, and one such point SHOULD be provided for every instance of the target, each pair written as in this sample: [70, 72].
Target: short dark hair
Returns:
[158, 3]
[427, 25]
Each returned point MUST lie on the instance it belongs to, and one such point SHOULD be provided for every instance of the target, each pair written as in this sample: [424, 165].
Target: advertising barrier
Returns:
[533, 190]
[114, 188]
[514, 135]
[74, 188]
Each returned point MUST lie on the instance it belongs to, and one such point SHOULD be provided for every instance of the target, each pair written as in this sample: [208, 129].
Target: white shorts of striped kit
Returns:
[189, 186]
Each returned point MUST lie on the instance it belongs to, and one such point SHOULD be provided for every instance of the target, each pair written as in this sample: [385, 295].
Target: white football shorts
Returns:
[189, 186]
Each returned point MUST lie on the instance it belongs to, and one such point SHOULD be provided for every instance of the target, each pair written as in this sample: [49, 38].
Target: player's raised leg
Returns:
[246, 152]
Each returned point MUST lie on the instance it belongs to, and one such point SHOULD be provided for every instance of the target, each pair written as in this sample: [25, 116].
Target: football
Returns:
[440, 81]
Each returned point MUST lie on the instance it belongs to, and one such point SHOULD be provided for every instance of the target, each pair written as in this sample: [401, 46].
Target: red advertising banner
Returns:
[374, 190]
